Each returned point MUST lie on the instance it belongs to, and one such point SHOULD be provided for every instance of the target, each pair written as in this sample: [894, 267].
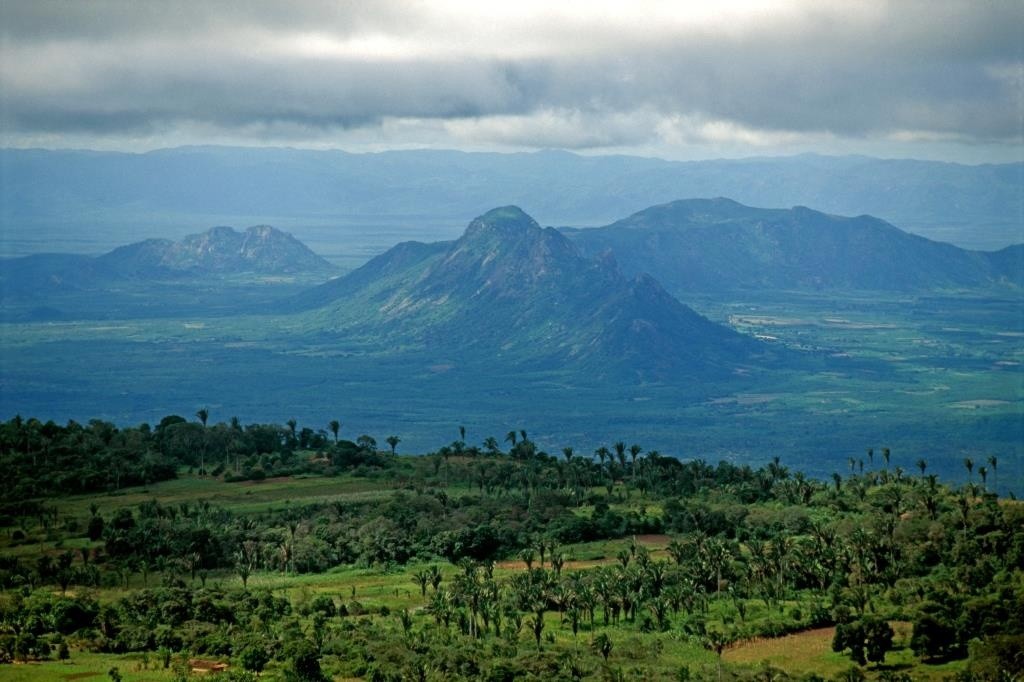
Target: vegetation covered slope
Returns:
[715, 245]
[510, 289]
[499, 561]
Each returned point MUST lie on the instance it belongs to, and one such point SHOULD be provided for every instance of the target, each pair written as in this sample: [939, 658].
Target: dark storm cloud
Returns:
[942, 69]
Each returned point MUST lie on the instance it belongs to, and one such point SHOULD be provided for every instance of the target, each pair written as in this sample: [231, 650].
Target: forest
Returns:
[283, 552]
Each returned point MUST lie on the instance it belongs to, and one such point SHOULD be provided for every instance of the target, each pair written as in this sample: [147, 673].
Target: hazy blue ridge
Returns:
[101, 199]
[710, 245]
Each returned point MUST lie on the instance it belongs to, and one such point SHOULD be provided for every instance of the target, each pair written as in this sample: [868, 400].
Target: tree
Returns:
[422, 578]
[867, 639]
[335, 426]
[603, 645]
[245, 561]
[254, 656]
[305, 664]
[435, 577]
[717, 641]
[993, 462]
[969, 465]
[934, 636]
[203, 414]
[393, 442]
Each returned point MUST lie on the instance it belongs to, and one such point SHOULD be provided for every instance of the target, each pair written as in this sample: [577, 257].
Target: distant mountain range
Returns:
[259, 250]
[509, 289]
[67, 200]
[715, 245]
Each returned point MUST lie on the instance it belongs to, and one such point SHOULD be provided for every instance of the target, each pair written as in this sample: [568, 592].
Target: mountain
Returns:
[60, 200]
[221, 250]
[260, 250]
[510, 291]
[710, 245]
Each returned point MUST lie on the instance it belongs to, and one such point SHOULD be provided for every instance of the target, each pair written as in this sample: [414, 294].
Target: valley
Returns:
[512, 324]
[928, 376]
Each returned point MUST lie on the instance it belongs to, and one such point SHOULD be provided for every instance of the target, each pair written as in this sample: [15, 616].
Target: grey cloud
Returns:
[44, 20]
[934, 68]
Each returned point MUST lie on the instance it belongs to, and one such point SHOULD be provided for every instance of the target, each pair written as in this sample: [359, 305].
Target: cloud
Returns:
[575, 75]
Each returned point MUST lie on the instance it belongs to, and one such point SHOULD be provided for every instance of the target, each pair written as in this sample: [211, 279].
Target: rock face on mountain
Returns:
[220, 250]
[260, 250]
[511, 289]
[711, 245]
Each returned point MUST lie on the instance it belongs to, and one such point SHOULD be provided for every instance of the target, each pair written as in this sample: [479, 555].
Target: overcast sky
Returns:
[928, 79]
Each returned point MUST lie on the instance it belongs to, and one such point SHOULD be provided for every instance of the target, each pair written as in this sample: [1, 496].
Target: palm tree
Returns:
[603, 645]
[568, 452]
[871, 456]
[462, 433]
[511, 437]
[992, 462]
[203, 414]
[922, 465]
[291, 426]
[717, 641]
[969, 465]
[620, 453]
[885, 456]
[335, 427]
[422, 578]
[435, 577]
[393, 442]
[983, 472]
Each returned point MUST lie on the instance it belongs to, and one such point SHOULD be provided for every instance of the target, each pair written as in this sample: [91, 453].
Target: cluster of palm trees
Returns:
[636, 587]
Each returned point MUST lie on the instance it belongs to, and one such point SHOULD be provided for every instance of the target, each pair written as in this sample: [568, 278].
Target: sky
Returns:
[932, 79]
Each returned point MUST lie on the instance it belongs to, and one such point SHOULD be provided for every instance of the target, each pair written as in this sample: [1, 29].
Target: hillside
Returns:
[269, 543]
[509, 289]
[712, 245]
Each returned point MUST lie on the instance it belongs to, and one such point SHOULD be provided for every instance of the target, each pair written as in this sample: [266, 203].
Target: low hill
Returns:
[710, 245]
[260, 250]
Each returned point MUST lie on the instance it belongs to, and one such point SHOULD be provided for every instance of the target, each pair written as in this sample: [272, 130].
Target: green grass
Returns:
[88, 667]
